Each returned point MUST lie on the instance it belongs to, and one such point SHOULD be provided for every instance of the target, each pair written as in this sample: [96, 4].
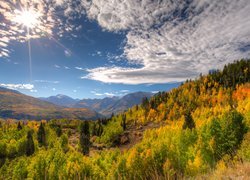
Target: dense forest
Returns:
[199, 129]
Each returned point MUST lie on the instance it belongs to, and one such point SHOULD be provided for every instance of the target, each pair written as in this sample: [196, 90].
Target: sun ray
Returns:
[29, 18]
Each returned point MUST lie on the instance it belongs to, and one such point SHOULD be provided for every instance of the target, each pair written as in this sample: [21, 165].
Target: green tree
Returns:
[94, 129]
[84, 137]
[3, 153]
[59, 130]
[145, 103]
[99, 128]
[189, 121]
[233, 132]
[41, 136]
[64, 142]
[30, 146]
[19, 127]
[123, 123]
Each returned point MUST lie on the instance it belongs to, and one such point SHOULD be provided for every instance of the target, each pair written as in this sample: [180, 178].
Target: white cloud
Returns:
[66, 67]
[57, 66]
[172, 41]
[67, 53]
[99, 94]
[79, 68]
[19, 86]
[137, 76]
[53, 89]
[46, 81]
[124, 91]
[109, 94]
[33, 90]
[154, 92]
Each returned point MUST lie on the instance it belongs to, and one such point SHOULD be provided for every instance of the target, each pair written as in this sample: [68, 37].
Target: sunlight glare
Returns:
[28, 18]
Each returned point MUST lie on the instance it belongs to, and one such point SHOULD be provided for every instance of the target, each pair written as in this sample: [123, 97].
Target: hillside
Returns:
[19, 106]
[198, 130]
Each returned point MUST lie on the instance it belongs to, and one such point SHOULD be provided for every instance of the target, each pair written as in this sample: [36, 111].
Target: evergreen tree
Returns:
[84, 137]
[123, 123]
[3, 153]
[189, 122]
[59, 131]
[145, 103]
[19, 127]
[30, 146]
[99, 129]
[41, 136]
[94, 129]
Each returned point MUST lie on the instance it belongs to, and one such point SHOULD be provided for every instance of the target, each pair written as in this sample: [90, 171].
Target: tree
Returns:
[94, 129]
[3, 153]
[145, 103]
[123, 123]
[64, 141]
[189, 122]
[30, 147]
[41, 136]
[99, 129]
[59, 130]
[84, 137]
[19, 127]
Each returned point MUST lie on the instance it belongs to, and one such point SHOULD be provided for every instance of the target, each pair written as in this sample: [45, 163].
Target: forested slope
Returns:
[203, 128]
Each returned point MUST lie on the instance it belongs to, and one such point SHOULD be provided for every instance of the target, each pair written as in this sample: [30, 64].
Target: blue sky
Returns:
[93, 49]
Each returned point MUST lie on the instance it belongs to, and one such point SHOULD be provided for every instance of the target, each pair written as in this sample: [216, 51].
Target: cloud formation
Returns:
[29, 87]
[111, 94]
[172, 40]
[46, 81]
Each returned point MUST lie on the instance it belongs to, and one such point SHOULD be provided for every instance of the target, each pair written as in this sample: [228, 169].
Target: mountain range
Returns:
[16, 105]
[105, 106]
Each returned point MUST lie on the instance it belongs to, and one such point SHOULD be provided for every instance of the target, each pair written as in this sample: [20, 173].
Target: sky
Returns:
[98, 48]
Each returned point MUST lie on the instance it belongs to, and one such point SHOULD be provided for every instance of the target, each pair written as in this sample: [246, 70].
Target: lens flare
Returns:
[28, 18]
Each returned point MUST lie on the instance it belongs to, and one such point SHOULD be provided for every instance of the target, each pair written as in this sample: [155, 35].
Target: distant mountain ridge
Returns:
[16, 105]
[61, 100]
[105, 106]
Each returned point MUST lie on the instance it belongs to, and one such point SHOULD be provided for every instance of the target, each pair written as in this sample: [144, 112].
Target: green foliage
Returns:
[64, 143]
[3, 153]
[41, 135]
[111, 133]
[124, 123]
[189, 122]
[19, 127]
[59, 131]
[220, 109]
[228, 133]
[84, 137]
[30, 146]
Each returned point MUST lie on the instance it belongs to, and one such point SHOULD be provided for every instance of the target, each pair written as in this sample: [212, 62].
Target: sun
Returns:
[28, 18]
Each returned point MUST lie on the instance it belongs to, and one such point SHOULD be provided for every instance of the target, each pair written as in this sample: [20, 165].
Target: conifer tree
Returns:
[30, 147]
[189, 121]
[19, 127]
[99, 129]
[123, 123]
[41, 136]
[94, 129]
[84, 137]
[59, 131]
